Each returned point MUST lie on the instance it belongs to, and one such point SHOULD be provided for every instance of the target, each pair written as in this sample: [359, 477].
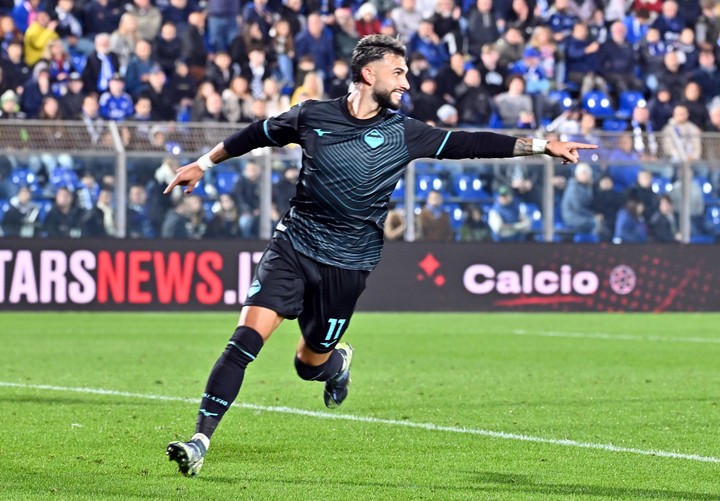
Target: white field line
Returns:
[617, 337]
[391, 422]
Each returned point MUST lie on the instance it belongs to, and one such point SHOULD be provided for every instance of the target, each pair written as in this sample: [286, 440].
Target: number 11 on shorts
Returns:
[335, 329]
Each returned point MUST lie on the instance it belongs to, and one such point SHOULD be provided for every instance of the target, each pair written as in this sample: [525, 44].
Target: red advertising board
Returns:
[162, 275]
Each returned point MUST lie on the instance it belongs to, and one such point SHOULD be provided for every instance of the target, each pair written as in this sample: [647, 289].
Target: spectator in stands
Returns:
[618, 61]
[101, 65]
[35, 90]
[394, 228]
[661, 107]
[418, 71]
[257, 71]
[406, 19]
[167, 47]
[225, 223]
[630, 224]
[102, 16]
[663, 224]
[22, 218]
[64, 219]
[316, 41]
[148, 17]
[706, 75]
[707, 29]
[428, 43]
[522, 178]
[472, 101]
[178, 11]
[582, 62]
[138, 219]
[285, 188]
[237, 100]
[652, 50]
[644, 137]
[24, 12]
[367, 21]
[507, 220]
[59, 66]
[542, 40]
[671, 75]
[637, 24]
[143, 114]
[687, 50]
[71, 101]
[312, 88]
[515, 107]
[213, 109]
[258, 12]
[669, 23]
[561, 20]
[446, 24]
[481, 27]
[493, 75]
[447, 117]
[181, 87]
[194, 50]
[434, 220]
[688, 133]
[157, 91]
[292, 12]
[221, 71]
[37, 37]
[536, 82]
[510, 46]
[624, 162]
[116, 104]
[450, 76]
[99, 222]
[275, 101]
[8, 34]
[642, 191]
[345, 34]
[714, 113]
[247, 196]
[283, 46]
[86, 192]
[693, 100]
[340, 81]
[427, 102]
[123, 40]
[577, 205]
[186, 220]
[90, 115]
[69, 24]
[474, 227]
[139, 68]
[607, 201]
[15, 71]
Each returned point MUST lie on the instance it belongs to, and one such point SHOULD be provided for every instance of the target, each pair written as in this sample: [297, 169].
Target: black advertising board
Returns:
[166, 275]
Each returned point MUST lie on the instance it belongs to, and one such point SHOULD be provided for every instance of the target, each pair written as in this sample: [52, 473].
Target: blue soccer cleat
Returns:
[188, 455]
[336, 389]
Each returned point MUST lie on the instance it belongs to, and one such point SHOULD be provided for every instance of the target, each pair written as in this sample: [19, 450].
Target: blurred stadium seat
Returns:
[225, 181]
[598, 103]
[627, 101]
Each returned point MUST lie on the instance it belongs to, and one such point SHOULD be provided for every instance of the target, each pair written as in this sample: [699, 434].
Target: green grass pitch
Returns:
[442, 406]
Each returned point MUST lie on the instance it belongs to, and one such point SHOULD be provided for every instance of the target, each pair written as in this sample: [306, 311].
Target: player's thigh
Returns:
[277, 290]
[329, 306]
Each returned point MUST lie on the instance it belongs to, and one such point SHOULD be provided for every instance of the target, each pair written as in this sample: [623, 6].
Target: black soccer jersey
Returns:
[349, 169]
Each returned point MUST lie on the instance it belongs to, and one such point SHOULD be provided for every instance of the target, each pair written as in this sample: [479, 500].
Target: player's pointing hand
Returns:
[568, 151]
[187, 175]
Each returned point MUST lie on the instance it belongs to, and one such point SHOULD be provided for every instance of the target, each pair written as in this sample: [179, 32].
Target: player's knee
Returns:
[244, 346]
[308, 372]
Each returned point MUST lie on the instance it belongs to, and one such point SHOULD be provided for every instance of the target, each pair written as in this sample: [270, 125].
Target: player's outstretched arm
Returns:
[568, 151]
[189, 175]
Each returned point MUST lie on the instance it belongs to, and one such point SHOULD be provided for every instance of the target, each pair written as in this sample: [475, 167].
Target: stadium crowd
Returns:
[572, 67]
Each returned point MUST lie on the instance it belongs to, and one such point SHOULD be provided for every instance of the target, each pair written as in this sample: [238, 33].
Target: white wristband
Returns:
[538, 146]
[205, 163]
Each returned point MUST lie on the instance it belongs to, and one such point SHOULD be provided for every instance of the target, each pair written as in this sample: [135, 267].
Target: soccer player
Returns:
[355, 148]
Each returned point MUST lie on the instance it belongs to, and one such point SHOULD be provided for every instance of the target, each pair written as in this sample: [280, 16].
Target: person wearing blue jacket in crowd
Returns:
[630, 224]
[507, 220]
[316, 41]
[116, 104]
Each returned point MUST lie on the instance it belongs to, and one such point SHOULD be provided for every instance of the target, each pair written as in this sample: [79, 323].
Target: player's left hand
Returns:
[568, 151]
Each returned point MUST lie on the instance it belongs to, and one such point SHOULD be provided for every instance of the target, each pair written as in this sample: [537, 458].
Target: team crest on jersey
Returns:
[254, 288]
[374, 138]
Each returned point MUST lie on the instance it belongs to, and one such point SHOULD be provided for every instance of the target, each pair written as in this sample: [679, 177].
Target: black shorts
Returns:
[322, 297]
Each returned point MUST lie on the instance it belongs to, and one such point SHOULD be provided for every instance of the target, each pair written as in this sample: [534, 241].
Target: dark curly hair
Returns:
[371, 48]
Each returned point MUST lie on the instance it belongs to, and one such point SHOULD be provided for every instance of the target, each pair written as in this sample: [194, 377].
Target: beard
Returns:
[384, 99]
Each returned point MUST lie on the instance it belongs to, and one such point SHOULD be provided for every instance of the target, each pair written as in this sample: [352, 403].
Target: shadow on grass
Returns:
[517, 483]
[487, 482]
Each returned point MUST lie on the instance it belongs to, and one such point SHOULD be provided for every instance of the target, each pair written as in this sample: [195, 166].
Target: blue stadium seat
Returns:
[425, 183]
[563, 97]
[661, 185]
[226, 180]
[598, 103]
[586, 238]
[614, 125]
[399, 191]
[4, 207]
[456, 215]
[706, 187]
[627, 101]
[208, 207]
[469, 188]
[702, 239]
[45, 206]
